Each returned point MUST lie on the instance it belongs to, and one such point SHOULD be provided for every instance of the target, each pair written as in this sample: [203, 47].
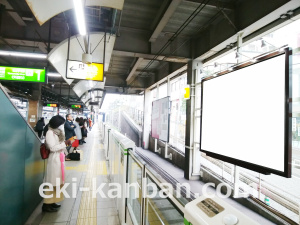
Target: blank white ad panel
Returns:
[243, 114]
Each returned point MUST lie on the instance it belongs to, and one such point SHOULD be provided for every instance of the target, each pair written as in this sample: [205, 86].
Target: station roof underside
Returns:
[153, 38]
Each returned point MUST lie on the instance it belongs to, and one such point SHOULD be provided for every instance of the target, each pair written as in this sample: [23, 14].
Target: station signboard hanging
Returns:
[82, 71]
[93, 103]
[51, 105]
[76, 106]
[22, 74]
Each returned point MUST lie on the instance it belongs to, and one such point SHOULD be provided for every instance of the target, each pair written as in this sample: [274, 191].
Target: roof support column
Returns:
[35, 105]
[147, 118]
[190, 150]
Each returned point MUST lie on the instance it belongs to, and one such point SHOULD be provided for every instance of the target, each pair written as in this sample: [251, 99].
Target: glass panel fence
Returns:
[134, 201]
[158, 209]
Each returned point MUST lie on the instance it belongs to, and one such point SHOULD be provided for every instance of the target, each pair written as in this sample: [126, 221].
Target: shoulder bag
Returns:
[44, 151]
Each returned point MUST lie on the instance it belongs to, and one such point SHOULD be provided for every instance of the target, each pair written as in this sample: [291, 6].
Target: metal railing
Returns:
[126, 167]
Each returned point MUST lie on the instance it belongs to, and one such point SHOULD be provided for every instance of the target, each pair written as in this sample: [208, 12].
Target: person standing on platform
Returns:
[90, 123]
[69, 129]
[78, 130]
[84, 130]
[55, 172]
[40, 126]
[45, 130]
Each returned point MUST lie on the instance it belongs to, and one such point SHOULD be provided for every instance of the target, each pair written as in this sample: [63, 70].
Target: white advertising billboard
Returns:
[160, 119]
[245, 116]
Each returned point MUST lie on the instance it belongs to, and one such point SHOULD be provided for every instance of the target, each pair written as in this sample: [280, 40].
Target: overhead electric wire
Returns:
[181, 28]
[80, 44]
[97, 44]
[198, 30]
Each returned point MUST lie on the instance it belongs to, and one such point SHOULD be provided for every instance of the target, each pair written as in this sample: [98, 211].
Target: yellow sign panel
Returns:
[187, 93]
[94, 71]
[82, 71]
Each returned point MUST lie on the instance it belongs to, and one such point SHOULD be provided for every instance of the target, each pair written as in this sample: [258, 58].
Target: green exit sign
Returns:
[22, 74]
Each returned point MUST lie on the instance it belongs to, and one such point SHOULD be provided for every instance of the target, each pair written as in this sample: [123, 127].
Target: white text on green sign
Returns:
[22, 74]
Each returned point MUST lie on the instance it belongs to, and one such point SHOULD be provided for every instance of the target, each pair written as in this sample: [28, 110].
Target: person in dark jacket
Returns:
[69, 127]
[40, 126]
[69, 130]
[45, 130]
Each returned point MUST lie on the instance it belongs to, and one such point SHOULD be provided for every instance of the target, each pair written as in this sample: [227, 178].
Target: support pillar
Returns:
[147, 118]
[35, 105]
[236, 193]
[193, 67]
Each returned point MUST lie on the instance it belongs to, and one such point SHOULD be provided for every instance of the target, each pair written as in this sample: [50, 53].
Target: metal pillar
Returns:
[236, 184]
[193, 66]
[168, 156]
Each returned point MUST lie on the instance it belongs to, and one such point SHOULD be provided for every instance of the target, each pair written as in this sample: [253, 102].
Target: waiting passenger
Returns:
[45, 130]
[55, 141]
[78, 130]
[40, 126]
[84, 130]
[69, 129]
[90, 123]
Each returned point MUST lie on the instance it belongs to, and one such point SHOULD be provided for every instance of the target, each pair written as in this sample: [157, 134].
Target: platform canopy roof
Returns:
[149, 39]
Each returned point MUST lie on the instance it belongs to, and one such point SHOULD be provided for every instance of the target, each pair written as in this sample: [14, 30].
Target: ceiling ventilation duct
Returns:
[58, 56]
[43, 10]
[85, 85]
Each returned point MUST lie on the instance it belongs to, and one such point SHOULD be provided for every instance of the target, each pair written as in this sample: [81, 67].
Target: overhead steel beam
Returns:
[28, 43]
[151, 56]
[212, 43]
[14, 15]
[116, 52]
[164, 5]
[215, 4]
[164, 20]
[134, 68]
[140, 38]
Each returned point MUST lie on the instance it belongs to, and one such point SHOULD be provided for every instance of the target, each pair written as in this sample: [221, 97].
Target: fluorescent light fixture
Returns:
[80, 16]
[24, 54]
[53, 75]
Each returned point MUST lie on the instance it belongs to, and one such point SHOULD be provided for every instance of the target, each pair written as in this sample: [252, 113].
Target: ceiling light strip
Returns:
[78, 6]
[24, 54]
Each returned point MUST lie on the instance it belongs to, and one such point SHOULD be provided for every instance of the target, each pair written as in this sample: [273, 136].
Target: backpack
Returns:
[44, 151]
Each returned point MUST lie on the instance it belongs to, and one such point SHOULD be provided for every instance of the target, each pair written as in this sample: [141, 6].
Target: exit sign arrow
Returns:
[80, 70]
[72, 69]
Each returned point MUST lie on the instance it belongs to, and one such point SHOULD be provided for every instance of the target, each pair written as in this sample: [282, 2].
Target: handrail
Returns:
[123, 145]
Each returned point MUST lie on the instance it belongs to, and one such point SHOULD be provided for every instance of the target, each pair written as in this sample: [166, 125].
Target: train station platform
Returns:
[82, 209]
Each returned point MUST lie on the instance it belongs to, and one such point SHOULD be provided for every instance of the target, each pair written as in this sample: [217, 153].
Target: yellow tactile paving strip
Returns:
[79, 168]
[87, 221]
[100, 168]
[87, 214]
